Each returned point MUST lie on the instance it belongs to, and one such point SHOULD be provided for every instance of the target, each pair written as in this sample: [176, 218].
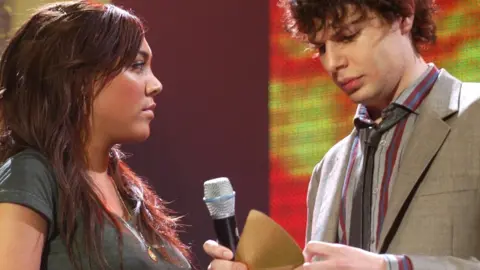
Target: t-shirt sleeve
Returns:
[27, 180]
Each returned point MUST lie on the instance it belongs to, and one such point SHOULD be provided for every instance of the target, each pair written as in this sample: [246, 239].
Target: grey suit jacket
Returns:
[440, 170]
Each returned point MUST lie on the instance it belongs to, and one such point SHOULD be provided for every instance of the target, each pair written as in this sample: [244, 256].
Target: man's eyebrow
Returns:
[345, 25]
[337, 29]
[357, 20]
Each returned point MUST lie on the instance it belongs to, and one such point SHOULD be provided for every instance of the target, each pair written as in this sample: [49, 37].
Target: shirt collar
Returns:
[410, 98]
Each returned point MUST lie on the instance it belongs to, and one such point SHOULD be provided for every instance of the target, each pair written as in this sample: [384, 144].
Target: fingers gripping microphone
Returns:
[220, 200]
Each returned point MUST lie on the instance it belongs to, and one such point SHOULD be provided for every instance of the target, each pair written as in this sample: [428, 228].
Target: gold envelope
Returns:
[265, 245]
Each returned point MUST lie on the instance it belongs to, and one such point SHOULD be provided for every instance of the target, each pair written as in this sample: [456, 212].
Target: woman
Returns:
[76, 81]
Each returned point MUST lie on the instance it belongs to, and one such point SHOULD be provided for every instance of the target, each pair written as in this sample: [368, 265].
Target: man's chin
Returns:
[360, 98]
[365, 98]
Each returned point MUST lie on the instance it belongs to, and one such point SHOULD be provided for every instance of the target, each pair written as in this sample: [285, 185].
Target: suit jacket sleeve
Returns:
[311, 196]
[443, 263]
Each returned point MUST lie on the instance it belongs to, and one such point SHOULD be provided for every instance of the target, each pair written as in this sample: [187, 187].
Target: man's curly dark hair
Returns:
[299, 15]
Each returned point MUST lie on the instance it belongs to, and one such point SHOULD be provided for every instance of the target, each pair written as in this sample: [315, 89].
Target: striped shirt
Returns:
[387, 160]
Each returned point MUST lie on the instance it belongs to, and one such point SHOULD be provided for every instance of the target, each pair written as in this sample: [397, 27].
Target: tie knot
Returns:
[390, 110]
[391, 116]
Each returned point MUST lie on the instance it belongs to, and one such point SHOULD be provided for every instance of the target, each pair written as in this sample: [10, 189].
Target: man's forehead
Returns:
[326, 27]
[343, 17]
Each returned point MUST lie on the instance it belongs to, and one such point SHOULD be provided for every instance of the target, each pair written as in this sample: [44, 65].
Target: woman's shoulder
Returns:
[28, 159]
[26, 179]
[27, 168]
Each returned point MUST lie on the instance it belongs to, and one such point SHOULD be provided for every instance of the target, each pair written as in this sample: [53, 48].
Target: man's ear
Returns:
[406, 24]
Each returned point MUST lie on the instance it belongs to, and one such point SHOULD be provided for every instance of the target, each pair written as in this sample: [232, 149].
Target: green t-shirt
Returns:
[27, 179]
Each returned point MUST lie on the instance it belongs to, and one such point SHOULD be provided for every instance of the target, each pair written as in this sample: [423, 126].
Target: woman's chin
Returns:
[138, 135]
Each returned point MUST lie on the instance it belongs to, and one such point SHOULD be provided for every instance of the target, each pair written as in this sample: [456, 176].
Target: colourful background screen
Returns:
[308, 114]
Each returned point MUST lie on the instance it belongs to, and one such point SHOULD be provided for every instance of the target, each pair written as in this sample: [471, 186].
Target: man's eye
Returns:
[348, 38]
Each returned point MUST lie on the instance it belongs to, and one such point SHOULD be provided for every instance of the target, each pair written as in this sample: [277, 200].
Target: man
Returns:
[401, 191]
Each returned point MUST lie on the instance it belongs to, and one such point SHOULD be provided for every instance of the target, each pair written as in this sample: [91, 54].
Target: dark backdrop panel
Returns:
[212, 118]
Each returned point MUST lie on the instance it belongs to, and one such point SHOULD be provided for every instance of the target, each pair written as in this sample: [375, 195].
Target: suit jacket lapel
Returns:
[326, 215]
[429, 133]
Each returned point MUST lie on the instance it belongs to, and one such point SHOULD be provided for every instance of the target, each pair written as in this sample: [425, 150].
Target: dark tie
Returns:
[361, 216]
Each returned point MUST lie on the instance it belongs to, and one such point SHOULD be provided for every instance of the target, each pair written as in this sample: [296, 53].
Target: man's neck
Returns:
[412, 72]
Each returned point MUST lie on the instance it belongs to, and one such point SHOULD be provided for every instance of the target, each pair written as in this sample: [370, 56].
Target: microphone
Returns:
[220, 200]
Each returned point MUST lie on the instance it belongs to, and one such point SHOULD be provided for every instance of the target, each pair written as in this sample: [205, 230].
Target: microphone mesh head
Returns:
[219, 197]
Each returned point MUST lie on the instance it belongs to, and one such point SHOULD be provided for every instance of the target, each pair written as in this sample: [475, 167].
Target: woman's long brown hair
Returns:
[50, 70]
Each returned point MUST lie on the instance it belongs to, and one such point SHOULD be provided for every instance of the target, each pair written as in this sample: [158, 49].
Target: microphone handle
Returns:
[227, 232]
